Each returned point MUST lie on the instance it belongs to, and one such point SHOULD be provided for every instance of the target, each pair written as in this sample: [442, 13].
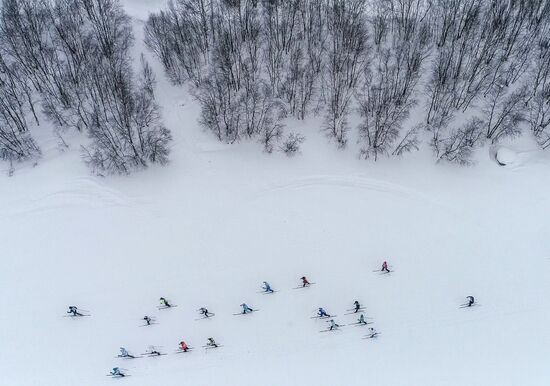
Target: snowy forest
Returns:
[391, 75]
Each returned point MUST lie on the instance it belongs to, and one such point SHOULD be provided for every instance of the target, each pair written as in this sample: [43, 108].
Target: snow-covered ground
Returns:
[210, 227]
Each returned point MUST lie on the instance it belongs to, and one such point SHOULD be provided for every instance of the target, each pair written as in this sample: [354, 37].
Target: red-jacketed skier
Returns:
[305, 282]
[385, 267]
[183, 346]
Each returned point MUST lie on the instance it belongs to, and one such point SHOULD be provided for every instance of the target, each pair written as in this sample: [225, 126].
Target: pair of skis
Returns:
[336, 328]
[304, 286]
[127, 356]
[165, 307]
[153, 354]
[360, 311]
[267, 292]
[208, 316]
[247, 313]
[323, 317]
[359, 324]
[179, 351]
[208, 347]
[372, 336]
[150, 324]
[466, 305]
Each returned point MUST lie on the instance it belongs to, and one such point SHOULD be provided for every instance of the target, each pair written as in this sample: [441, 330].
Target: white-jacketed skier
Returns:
[164, 303]
[333, 325]
[125, 354]
[152, 350]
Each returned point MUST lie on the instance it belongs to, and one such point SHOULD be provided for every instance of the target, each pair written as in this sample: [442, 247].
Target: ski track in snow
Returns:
[82, 192]
[361, 183]
[352, 182]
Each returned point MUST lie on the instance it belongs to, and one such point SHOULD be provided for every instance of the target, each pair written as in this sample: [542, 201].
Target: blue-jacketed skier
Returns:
[246, 309]
[322, 313]
[471, 300]
[116, 372]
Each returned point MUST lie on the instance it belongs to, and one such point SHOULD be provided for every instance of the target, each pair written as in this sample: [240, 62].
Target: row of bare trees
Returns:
[69, 60]
[471, 70]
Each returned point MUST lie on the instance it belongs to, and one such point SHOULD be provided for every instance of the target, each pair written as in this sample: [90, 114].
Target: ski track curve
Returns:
[355, 182]
[83, 192]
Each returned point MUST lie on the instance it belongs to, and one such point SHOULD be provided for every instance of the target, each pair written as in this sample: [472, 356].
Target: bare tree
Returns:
[16, 144]
[347, 45]
[391, 79]
[504, 112]
[459, 146]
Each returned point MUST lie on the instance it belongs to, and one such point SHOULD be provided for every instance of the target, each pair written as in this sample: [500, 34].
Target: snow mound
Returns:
[506, 156]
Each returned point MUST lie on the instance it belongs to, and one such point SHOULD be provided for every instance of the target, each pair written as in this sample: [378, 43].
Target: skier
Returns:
[211, 343]
[151, 350]
[183, 346]
[124, 353]
[204, 312]
[372, 333]
[148, 320]
[246, 309]
[164, 303]
[267, 287]
[361, 319]
[357, 306]
[322, 313]
[471, 300]
[115, 372]
[74, 311]
[305, 282]
[333, 325]
[385, 267]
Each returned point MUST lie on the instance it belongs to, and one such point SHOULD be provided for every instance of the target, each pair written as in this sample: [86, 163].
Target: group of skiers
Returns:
[246, 309]
[357, 309]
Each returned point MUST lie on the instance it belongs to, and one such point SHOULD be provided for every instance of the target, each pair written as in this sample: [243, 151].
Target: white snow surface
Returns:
[207, 229]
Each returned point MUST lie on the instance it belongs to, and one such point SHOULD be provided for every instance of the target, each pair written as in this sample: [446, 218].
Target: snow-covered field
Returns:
[210, 227]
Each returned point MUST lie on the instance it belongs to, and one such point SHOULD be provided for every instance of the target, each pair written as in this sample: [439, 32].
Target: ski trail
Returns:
[82, 192]
[360, 182]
